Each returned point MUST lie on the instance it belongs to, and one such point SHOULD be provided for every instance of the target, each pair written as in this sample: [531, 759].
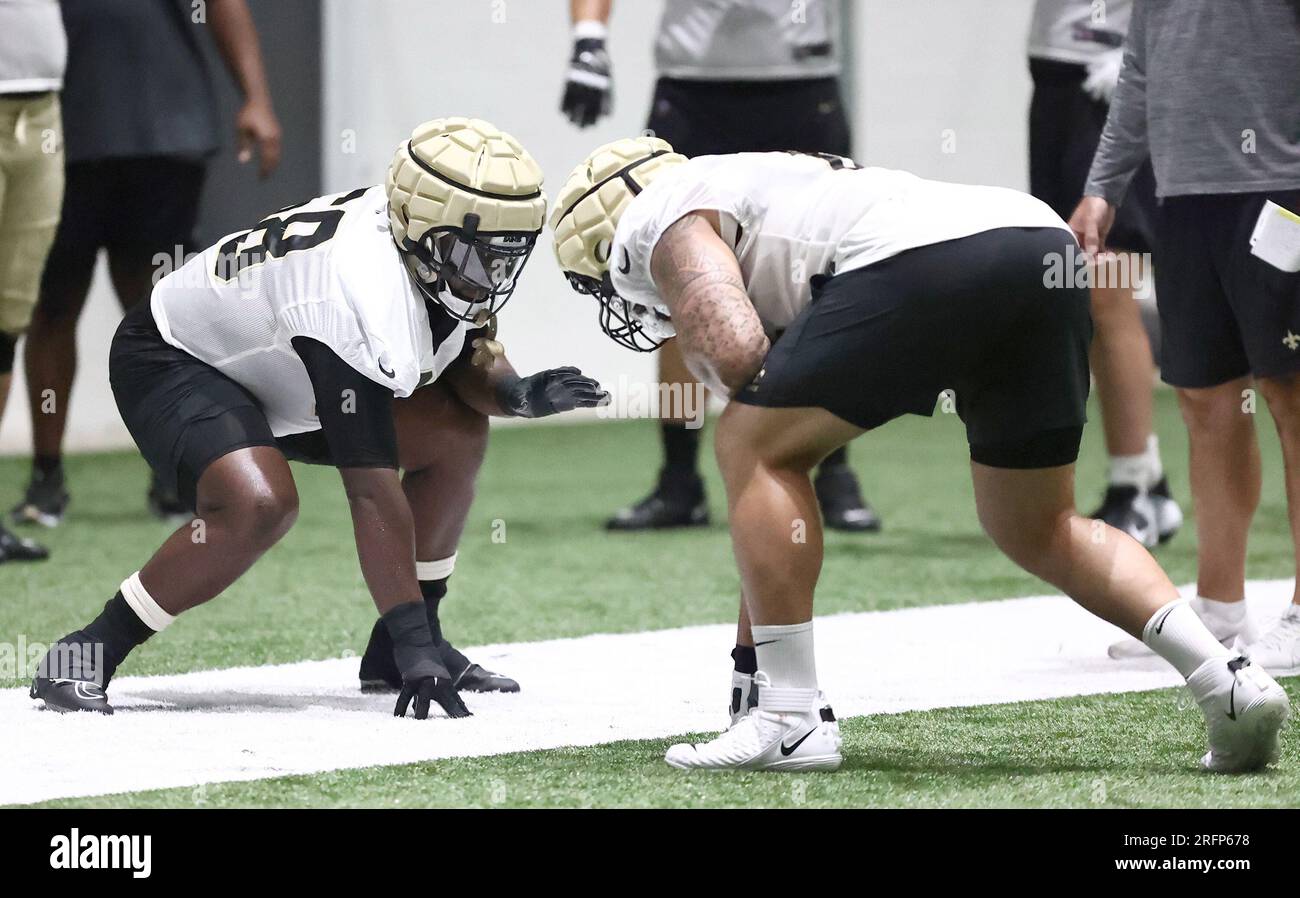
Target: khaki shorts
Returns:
[31, 195]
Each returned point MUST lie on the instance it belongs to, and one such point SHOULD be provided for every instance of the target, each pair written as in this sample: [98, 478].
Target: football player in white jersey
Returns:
[827, 299]
[341, 331]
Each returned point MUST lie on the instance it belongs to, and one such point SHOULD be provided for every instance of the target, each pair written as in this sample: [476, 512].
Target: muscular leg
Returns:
[246, 502]
[1030, 515]
[765, 456]
[1123, 368]
[1225, 474]
[1283, 397]
[441, 443]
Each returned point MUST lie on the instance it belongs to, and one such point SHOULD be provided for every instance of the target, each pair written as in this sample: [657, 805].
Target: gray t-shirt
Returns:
[32, 46]
[744, 40]
[136, 83]
[1212, 90]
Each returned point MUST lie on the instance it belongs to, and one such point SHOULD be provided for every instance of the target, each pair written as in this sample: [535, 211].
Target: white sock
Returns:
[1142, 470]
[785, 654]
[1224, 620]
[1176, 634]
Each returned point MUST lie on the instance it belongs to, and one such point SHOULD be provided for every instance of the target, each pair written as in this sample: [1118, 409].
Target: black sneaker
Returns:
[44, 502]
[678, 500]
[16, 548]
[67, 678]
[165, 505]
[476, 679]
[1128, 509]
[1169, 516]
[843, 507]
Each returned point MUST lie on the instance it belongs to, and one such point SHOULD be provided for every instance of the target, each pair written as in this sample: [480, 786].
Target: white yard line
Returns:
[255, 722]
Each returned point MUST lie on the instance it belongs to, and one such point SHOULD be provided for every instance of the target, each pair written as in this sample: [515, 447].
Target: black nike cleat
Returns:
[843, 507]
[1168, 514]
[44, 502]
[72, 676]
[476, 679]
[17, 548]
[165, 504]
[1129, 510]
[678, 500]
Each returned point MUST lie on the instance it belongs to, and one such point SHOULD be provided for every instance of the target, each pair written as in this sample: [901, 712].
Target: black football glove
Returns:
[589, 85]
[551, 392]
[424, 678]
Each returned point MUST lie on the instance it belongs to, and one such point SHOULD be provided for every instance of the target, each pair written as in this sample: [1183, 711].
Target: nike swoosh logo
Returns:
[388, 373]
[766, 642]
[789, 749]
[1161, 623]
[1232, 702]
[627, 264]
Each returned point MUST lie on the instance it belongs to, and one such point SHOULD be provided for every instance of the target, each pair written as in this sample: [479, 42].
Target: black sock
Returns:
[839, 457]
[45, 465]
[746, 659]
[434, 591]
[681, 447]
[119, 629]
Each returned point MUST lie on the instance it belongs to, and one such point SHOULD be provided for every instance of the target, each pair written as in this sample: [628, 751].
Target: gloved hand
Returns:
[550, 392]
[588, 88]
[1103, 75]
[424, 678]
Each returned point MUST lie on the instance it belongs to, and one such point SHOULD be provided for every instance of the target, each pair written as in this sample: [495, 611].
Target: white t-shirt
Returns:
[1078, 30]
[333, 275]
[33, 47]
[739, 40]
[790, 217]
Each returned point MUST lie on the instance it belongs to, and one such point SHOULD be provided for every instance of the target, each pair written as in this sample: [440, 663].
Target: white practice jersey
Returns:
[740, 40]
[327, 270]
[791, 216]
[1078, 30]
[33, 48]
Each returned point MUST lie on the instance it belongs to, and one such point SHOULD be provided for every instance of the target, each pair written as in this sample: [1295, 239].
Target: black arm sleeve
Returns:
[356, 414]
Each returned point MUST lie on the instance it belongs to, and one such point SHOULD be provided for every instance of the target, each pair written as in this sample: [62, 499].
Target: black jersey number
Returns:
[232, 259]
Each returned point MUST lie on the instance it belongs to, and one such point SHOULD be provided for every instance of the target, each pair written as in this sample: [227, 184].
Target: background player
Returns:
[314, 320]
[921, 287]
[1075, 52]
[734, 76]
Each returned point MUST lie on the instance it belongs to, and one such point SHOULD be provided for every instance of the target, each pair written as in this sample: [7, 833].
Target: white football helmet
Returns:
[465, 207]
[585, 219]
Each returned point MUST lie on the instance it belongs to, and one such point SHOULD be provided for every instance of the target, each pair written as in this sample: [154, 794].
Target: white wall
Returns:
[921, 68]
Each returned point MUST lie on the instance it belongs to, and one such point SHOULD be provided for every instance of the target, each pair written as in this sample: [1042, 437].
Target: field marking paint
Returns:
[255, 722]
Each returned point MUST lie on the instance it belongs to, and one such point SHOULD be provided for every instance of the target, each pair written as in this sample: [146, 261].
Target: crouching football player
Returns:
[886, 289]
[316, 335]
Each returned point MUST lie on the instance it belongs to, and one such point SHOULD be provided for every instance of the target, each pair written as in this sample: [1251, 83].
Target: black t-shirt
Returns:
[356, 414]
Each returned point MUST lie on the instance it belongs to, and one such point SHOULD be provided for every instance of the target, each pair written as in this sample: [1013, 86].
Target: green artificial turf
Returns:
[557, 572]
[1126, 750]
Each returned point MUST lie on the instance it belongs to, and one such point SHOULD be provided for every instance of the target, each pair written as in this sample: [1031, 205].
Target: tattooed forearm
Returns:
[718, 331]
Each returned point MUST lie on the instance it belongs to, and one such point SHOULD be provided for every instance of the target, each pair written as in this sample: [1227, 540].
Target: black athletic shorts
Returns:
[1224, 313]
[701, 118]
[182, 413]
[140, 205]
[972, 315]
[1065, 126]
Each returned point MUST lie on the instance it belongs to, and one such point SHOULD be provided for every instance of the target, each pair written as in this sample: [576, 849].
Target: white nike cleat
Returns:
[773, 736]
[1234, 635]
[1278, 650]
[1244, 710]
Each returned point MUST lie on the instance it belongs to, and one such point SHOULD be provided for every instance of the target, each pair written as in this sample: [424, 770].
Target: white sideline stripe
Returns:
[255, 722]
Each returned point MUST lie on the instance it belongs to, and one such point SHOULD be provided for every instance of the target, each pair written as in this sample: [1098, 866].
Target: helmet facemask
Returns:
[467, 271]
[630, 325]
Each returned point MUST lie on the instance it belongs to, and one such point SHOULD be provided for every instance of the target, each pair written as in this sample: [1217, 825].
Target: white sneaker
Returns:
[1233, 635]
[768, 740]
[1278, 650]
[1244, 709]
